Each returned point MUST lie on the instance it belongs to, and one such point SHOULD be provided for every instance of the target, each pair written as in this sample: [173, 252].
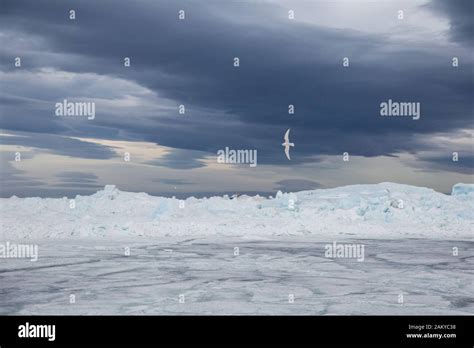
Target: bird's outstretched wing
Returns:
[287, 152]
[287, 136]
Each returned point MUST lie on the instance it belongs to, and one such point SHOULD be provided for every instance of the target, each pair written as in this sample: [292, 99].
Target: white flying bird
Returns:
[287, 144]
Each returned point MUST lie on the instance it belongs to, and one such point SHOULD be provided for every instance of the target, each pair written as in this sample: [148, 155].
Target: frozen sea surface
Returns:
[208, 278]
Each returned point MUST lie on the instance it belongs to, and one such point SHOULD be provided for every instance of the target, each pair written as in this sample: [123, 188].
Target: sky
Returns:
[139, 141]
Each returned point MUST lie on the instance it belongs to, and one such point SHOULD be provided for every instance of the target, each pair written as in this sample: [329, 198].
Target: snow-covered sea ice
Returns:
[130, 253]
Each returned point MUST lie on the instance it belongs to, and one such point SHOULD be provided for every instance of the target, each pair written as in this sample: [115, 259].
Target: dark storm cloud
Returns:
[27, 115]
[190, 62]
[460, 14]
[433, 163]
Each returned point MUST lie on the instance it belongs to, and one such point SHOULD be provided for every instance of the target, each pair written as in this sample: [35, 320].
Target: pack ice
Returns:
[385, 210]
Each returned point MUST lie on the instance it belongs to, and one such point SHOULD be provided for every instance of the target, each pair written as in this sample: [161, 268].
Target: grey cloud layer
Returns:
[190, 62]
[460, 14]
[60, 145]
